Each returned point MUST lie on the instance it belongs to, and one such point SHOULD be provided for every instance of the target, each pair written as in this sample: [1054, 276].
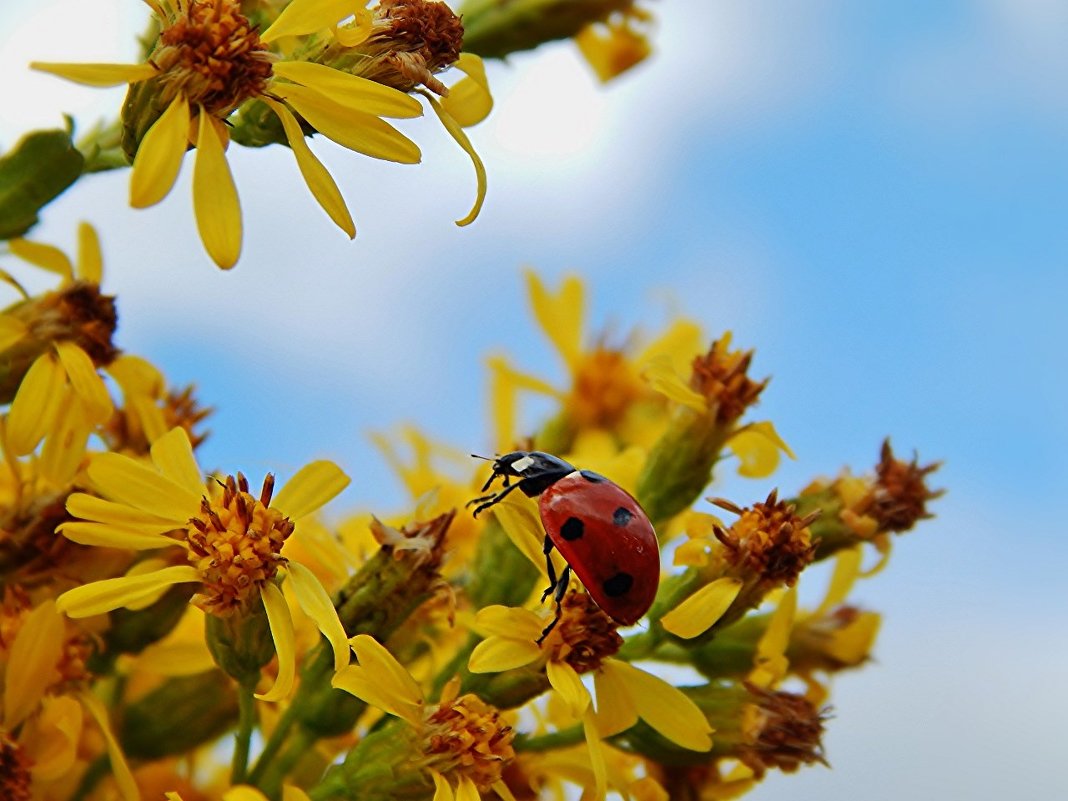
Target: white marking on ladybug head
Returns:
[519, 465]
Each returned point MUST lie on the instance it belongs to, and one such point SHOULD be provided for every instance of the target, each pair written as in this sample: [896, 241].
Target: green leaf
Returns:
[35, 172]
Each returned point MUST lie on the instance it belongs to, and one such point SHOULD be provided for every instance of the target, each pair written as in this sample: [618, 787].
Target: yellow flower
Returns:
[462, 740]
[618, 43]
[232, 541]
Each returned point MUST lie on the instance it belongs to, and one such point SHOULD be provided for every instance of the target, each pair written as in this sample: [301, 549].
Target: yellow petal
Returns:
[376, 660]
[664, 707]
[442, 790]
[64, 447]
[312, 486]
[501, 789]
[36, 404]
[469, 100]
[53, 737]
[770, 663]
[44, 256]
[496, 654]
[614, 51]
[128, 481]
[291, 793]
[566, 681]
[358, 682]
[90, 261]
[520, 522]
[285, 646]
[597, 755]
[356, 130]
[86, 381]
[109, 535]
[681, 342]
[103, 596]
[316, 176]
[31, 662]
[846, 572]
[507, 621]
[559, 314]
[159, 156]
[356, 31]
[350, 91]
[243, 793]
[137, 376]
[119, 769]
[215, 202]
[660, 374]
[317, 605]
[173, 455]
[307, 16]
[90, 507]
[852, 644]
[175, 659]
[883, 545]
[757, 447]
[697, 613]
[458, 134]
[101, 75]
[466, 790]
[12, 329]
[616, 711]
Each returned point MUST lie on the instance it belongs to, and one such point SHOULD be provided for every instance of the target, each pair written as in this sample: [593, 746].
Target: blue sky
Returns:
[871, 195]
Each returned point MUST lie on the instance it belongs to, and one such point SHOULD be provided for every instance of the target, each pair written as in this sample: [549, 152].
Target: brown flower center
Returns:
[900, 494]
[211, 53]
[605, 387]
[769, 540]
[721, 376]
[14, 770]
[585, 635]
[782, 730]
[235, 543]
[465, 736]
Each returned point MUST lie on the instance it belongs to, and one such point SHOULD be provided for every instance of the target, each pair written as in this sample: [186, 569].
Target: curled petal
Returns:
[159, 156]
[757, 447]
[313, 485]
[350, 91]
[458, 134]
[376, 659]
[466, 790]
[101, 75]
[469, 100]
[598, 762]
[215, 201]
[121, 771]
[846, 572]
[316, 604]
[53, 737]
[770, 663]
[281, 623]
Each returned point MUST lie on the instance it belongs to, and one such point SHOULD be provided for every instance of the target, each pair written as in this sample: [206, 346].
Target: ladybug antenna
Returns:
[484, 458]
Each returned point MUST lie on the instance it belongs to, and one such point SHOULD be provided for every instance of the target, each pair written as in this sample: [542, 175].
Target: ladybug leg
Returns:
[561, 591]
[486, 501]
[550, 567]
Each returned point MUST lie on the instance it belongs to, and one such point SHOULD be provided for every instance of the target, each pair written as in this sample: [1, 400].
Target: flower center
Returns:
[585, 635]
[768, 540]
[14, 770]
[235, 543]
[900, 494]
[605, 387]
[77, 313]
[466, 736]
[210, 52]
[720, 375]
[782, 730]
[125, 432]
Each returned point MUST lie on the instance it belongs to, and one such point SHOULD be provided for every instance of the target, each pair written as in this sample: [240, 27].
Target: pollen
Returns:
[781, 730]
[721, 375]
[467, 737]
[235, 542]
[605, 387]
[900, 495]
[585, 635]
[212, 54]
[14, 770]
[769, 540]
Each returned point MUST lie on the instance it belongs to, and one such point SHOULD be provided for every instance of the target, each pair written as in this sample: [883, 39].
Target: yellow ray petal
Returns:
[458, 134]
[173, 455]
[291, 793]
[174, 659]
[358, 682]
[520, 522]
[501, 789]
[469, 100]
[697, 613]
[109, 535]
[376, 660]
[681, 342]
[36, 404]
[53, 737]
[215, 202]
[355, 130]
[64, 448]
[598, 763]
[307, 16]
[507, 621]
[31, 662]
[664, 707]
[311, 487]
[44, 256]
[90, 261]
[566, 681]
[12, 329]
[616, 711]
[137, 376]
[350, 91]
[660, 373]
[101, 75]
[90, 507]
[317, 605]
[770, 663]
[496, 654]
[356, 32]
[442, 790]
[120, 478]
[243, 793]
[159, 156]
[316, 176]
[559, 314]
[119, 769]
[466, 790]
[757, 447]
[281, 623]
[103, 596]
[846, 572]
[86, 382]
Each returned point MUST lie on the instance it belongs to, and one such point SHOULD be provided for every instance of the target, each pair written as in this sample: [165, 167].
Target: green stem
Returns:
[547, 742]
[246, 720]
[274, 743]
[276, 771]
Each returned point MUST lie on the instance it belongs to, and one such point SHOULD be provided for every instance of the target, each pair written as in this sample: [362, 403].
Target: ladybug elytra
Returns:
[601, 531]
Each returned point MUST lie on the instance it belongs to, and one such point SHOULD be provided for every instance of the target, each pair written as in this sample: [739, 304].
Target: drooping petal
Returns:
[281, 623]
[501, 789]
[100, 75]
[520, 522]
[660, 373]
[120, 478]
[442, 790]
[469, 100]
[311, 487]
[350, 91]
[358, 682]
[317, 605]
[681, 342]
[90, 261]
[159, 156]
[616, 711]
[307, 16]
[316, 176]
[496, 654]
[356, 32]
[35, 405]
[559, 314]
[507, 621]
[12, 329]
[64, 448]
[566, 681]
[103, 596]
[137, 376]
[380, 664]
[86, 381]
[466, 790]
[173, 455]
[31, 663]
[846, 572]
[770, 662]
[218, 210]
[458, 134]
[119, 769]
[598, 762]
[53, 737]
[47, 257]
[664, 707]
[697, 613]
[356, 130]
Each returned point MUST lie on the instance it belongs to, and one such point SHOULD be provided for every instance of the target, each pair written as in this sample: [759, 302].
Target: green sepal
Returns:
[241, 643]
[33, 174]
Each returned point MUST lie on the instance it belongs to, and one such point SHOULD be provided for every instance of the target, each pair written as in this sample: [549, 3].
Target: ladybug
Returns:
[599, 529]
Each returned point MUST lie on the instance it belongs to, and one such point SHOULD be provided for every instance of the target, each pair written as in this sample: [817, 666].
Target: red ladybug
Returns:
[601, 531]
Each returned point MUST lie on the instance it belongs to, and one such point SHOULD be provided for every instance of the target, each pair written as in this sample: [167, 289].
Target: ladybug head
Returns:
[535, 470]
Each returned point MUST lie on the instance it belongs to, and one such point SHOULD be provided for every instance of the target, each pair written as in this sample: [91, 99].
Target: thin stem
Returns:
[275, 772]
[547, 742]
[246, 720]
[274, 743]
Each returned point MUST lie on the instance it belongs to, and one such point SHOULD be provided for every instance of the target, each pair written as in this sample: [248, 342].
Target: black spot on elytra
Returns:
[618, 585]
[622, 516]
[595, 478]
[572, 529]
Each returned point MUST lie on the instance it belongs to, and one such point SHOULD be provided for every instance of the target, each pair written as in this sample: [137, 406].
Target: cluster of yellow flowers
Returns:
[169, 631]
